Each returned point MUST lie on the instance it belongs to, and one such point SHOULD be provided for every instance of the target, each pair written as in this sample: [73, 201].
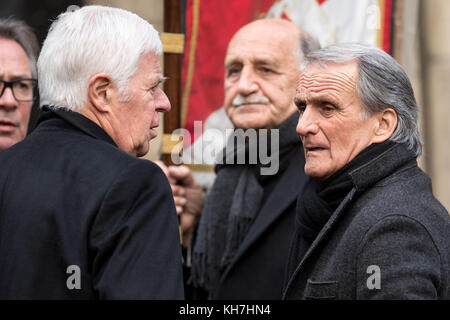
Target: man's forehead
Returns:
[151, 61]
[337, 77]
[150, 67]
[13, 60]
[155, 78]
[262, 53]
[264, 41]
[267, 32]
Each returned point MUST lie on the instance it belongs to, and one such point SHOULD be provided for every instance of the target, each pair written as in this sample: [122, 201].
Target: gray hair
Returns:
[22, 33]
[308, 44]
[382, 83]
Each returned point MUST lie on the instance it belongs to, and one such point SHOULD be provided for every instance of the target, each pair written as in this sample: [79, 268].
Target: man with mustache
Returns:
[244, 233]
[18, 78]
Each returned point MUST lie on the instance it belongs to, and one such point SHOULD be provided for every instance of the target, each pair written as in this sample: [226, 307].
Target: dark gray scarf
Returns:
[231, 208]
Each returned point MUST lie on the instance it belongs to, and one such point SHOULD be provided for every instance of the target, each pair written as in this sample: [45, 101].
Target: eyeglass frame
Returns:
[9, 84]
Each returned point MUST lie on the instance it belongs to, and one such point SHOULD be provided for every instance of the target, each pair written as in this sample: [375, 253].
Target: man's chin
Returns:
[7, 142]
[249, 122]
[316, 173]
[142, 150]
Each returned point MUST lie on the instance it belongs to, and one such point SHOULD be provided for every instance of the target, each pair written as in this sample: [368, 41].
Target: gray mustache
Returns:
[251, 99]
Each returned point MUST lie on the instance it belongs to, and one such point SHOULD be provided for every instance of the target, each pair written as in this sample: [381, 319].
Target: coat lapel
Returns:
[320, 237]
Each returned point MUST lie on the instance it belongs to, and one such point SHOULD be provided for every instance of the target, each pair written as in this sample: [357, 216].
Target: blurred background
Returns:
[417, 31]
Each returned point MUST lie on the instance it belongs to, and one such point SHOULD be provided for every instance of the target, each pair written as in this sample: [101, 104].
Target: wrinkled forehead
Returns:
[332, 78]
[261, 41]
[13, 60]
[149, 66]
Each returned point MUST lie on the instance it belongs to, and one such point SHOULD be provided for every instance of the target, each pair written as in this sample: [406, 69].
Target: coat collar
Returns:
[381, 166]
[363, 177]
[77, 120]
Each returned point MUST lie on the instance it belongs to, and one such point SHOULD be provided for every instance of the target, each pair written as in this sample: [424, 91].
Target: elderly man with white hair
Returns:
[80, 216]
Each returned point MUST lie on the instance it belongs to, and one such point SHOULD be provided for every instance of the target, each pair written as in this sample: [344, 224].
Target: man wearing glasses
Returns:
[18, 51]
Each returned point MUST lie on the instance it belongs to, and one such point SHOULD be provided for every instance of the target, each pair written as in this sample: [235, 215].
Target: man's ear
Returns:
[386, 125]
[100, 91]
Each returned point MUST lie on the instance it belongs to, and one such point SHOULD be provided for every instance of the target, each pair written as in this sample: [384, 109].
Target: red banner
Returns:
[211, 24]
[208, 32]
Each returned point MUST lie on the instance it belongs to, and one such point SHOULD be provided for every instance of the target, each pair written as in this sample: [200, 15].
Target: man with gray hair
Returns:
[367, 224]
[80, 216]
[18, 79]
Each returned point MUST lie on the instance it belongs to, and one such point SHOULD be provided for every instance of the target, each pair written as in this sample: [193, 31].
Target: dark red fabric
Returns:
[387, 26]
[218, 21]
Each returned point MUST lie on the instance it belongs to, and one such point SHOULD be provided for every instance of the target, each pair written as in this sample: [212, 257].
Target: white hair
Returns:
[89, 41]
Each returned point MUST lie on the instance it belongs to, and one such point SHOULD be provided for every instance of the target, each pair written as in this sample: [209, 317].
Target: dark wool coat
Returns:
[69, 198]
[258, 269]
[388, 239]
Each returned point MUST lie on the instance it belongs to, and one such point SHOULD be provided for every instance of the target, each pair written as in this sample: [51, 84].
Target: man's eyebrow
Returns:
[232, 63]
[160, 80]
[324, 99]
[17, 76]
[256, 62]
[266, 62]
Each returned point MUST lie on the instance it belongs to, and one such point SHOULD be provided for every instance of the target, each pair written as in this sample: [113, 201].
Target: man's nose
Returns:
[247, 82]
[7, 99]
[307, 123]
[163, 103]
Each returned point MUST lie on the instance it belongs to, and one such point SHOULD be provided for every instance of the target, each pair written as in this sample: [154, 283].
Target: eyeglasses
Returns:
[22, 89]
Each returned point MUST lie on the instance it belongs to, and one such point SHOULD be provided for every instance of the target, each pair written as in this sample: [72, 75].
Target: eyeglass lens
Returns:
[22, 89]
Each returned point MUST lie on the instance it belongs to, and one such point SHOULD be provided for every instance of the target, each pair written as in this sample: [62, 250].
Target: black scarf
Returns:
[321, 198]
[231, 208]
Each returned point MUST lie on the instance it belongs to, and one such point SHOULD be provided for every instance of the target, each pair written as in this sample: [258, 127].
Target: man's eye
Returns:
[301, 105]
[233, 71]
[266, 70]
[328, 109]
[23, 85]
[159, 85]
[154, 88]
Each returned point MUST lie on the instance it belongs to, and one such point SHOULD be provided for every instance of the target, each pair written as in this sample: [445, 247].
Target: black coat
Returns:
[258, 269]
[388, 239]
[70, 197]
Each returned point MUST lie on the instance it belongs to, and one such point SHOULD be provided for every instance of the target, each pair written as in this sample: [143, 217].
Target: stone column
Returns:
[435, 29]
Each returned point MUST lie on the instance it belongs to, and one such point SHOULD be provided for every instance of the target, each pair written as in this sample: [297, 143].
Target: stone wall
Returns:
[435, 46]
